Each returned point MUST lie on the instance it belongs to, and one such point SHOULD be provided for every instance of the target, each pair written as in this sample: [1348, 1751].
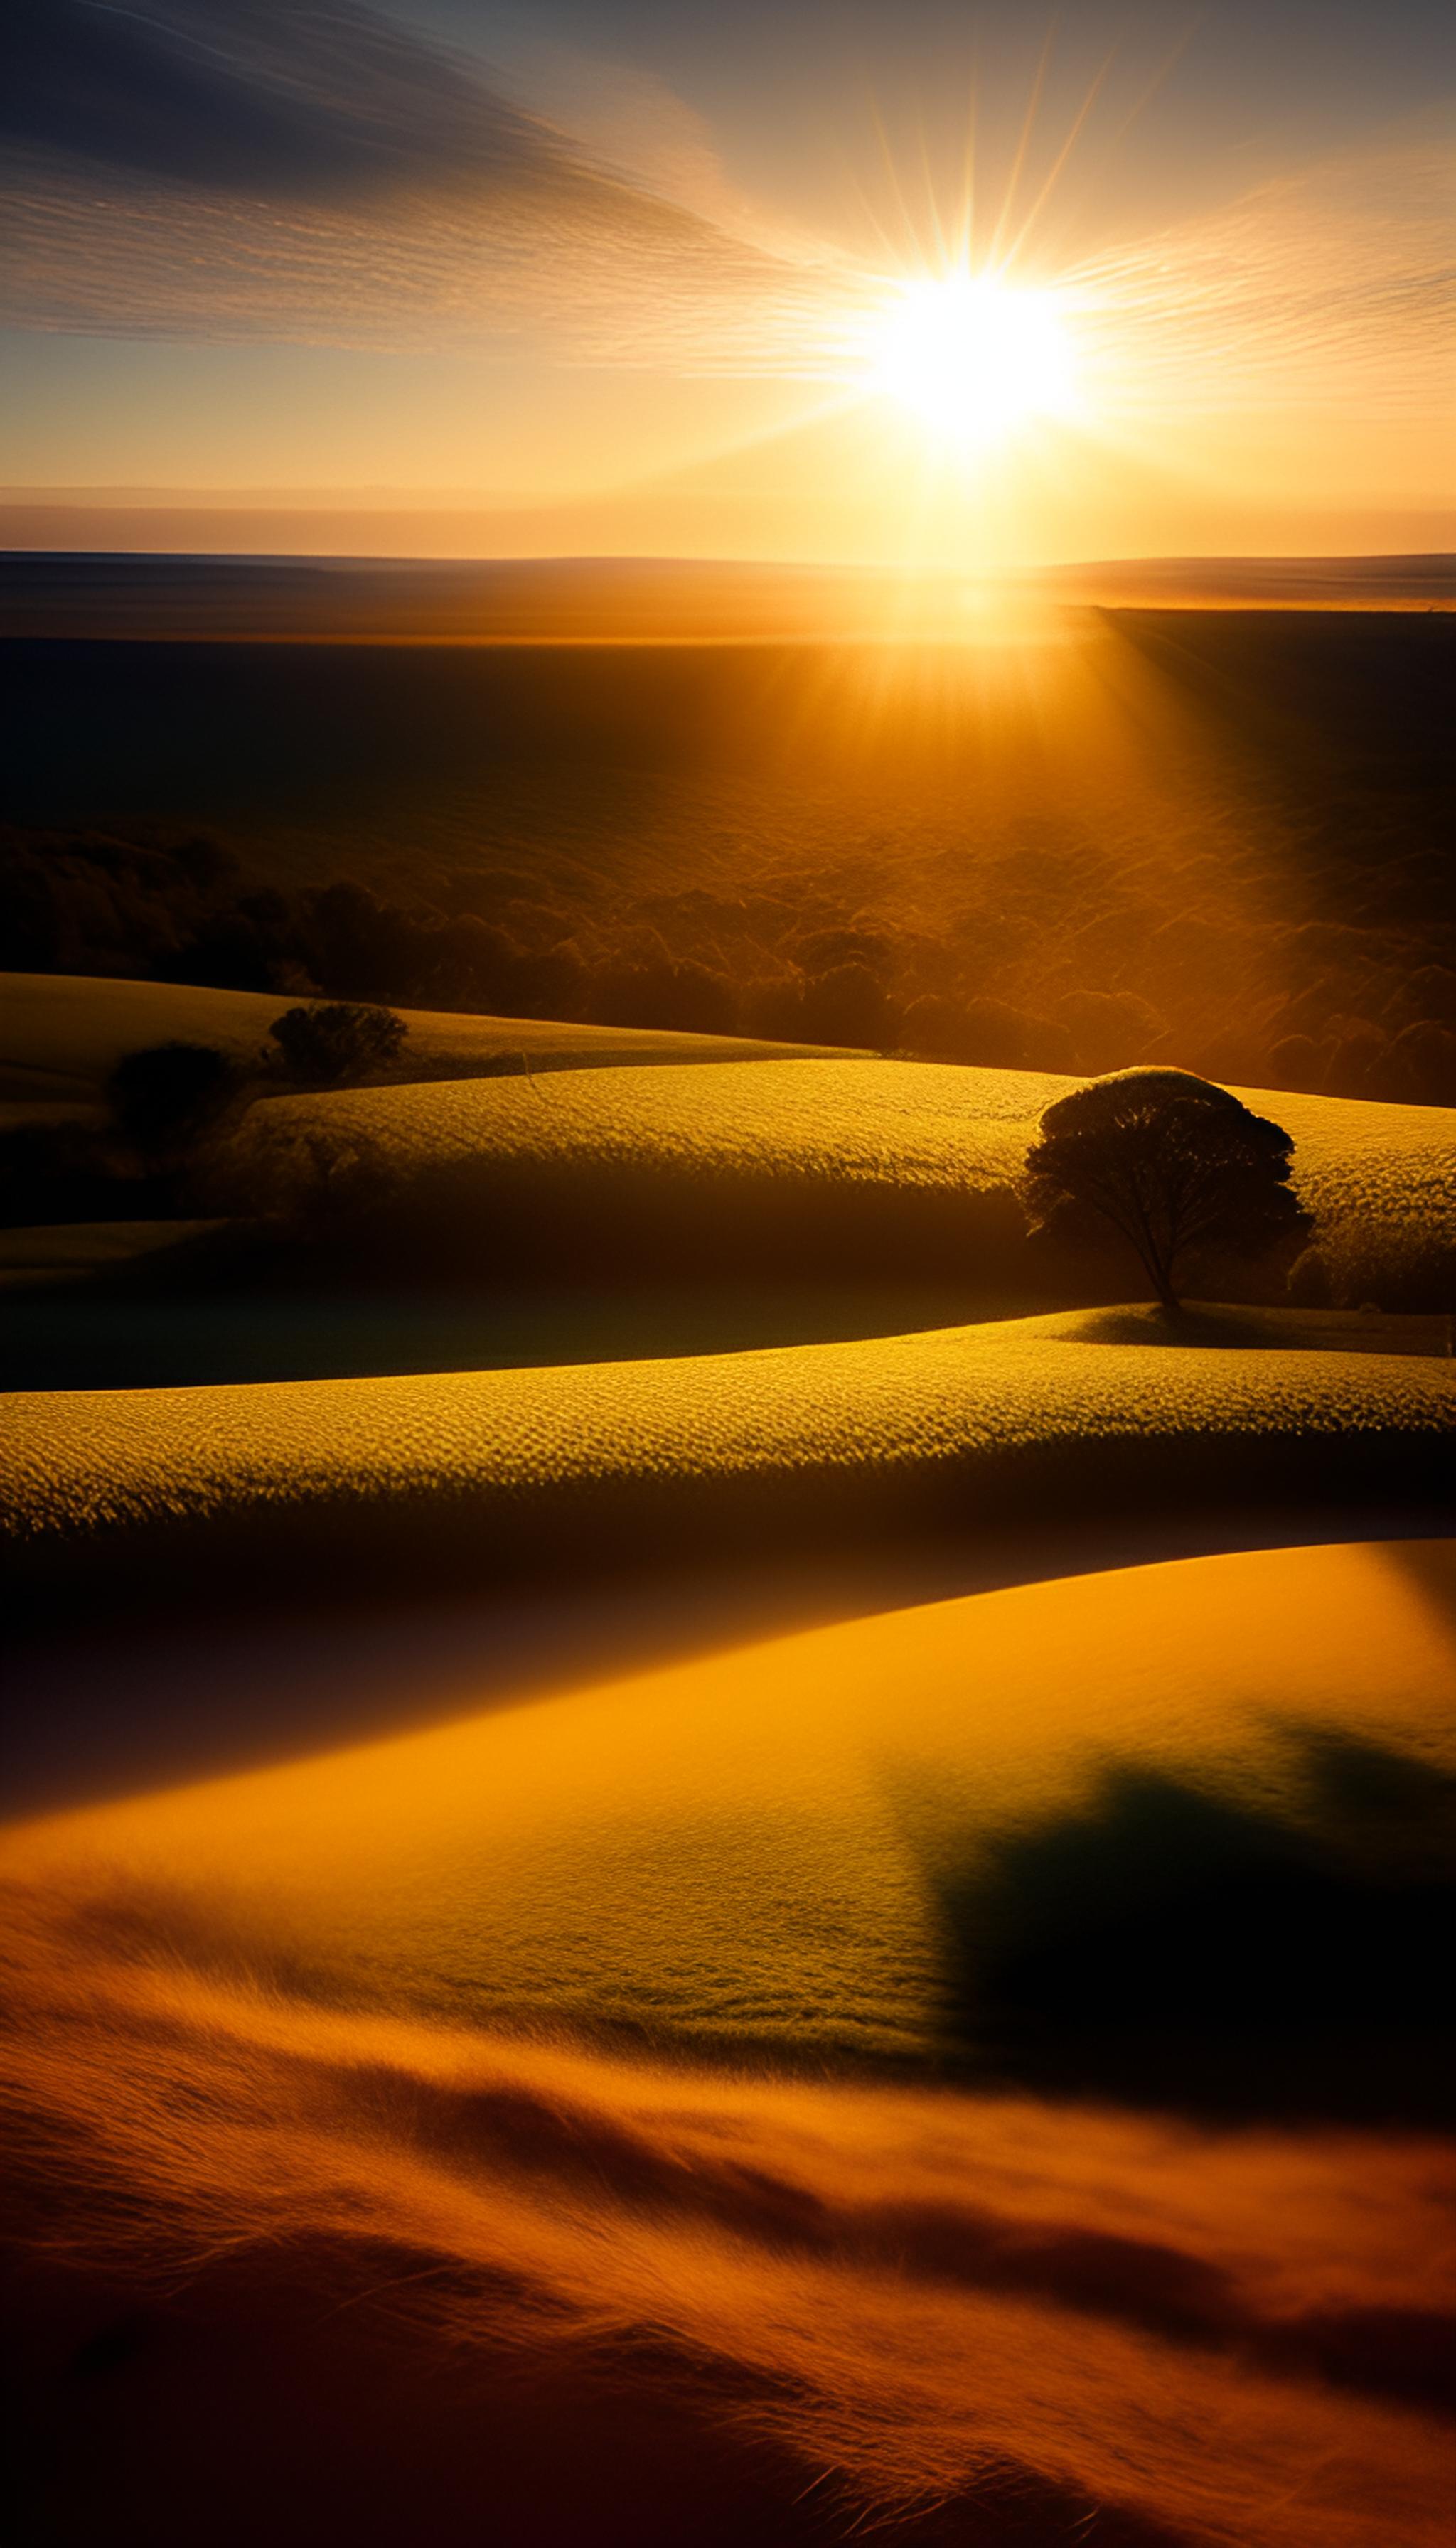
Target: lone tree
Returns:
[336, 1040]
[1177, 1166]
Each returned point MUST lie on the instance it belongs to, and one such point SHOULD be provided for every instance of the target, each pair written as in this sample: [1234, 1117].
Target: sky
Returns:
[828, 281]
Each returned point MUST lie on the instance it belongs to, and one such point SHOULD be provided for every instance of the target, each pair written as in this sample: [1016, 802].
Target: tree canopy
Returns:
[1178, 1167]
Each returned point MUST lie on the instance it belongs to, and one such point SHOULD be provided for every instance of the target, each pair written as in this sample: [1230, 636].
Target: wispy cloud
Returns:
[249, 170]
[328, 175]
[1335, 286]
[256, 96]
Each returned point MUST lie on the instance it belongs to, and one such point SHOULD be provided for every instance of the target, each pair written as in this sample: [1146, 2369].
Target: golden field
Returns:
[324, 2101]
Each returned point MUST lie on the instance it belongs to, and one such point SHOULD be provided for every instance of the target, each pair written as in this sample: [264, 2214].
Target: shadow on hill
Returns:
[1144, 1324]
[123, 1335]
[366, 1537]
[626, 1217]
[1171, 1947]
[1236, 1327]
[185, 1671]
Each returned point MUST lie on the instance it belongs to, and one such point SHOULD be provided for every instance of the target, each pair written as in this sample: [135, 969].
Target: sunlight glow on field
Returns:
[759, 1845]
[972, 356]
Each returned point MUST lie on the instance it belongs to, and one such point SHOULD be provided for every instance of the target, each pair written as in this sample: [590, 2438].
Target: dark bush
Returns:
[990, 1034]
[825, 951]
[849, 1005]
[685, 999]
[1353, 1263]
[1356, 1054]
[997, 1035]
[336, 1040]
[934, 1025]
[354, 942]
[1297, 1062]
[552, 984]
[1427, 993]
[165, 1097]
[773, 1007]
[1002, 1038]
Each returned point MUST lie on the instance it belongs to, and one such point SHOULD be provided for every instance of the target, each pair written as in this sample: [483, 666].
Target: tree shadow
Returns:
[1167, 1947]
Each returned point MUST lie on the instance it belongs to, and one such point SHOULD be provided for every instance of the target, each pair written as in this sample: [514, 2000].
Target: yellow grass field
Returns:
[939, 1127]
[800, 1844]
[460, 1476]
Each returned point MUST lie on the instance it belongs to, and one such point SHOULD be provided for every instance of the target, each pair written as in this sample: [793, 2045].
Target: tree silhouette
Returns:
[1178, 1167]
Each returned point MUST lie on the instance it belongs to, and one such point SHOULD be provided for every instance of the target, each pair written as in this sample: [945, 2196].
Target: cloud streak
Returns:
[1335, 286]
[307, 104]
[328, 177]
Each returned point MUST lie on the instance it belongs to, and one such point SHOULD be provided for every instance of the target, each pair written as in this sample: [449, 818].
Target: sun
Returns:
[976, 358]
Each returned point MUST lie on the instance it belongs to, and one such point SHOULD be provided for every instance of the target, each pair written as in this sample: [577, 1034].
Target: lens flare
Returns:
[974, 357]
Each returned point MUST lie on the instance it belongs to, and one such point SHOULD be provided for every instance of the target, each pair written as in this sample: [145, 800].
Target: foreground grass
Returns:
[1026, 1830]
[318, 2267]
[339, 2182]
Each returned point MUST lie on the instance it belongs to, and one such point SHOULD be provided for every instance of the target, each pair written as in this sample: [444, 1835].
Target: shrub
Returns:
[1354, 1262]
[336, 1040]
[1421, 1064]
[935, 1026]
[1297, 1062]
[166, 1096]
[991, 1035]
[687, 999]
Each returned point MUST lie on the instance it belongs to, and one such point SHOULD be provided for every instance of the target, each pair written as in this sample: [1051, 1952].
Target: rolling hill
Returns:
[397, 1484]
[63, 1034]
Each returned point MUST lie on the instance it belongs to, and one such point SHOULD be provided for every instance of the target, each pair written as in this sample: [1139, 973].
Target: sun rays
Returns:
[972, 357]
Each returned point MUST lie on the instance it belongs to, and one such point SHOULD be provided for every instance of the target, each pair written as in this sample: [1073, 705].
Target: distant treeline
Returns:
[1363, 1011]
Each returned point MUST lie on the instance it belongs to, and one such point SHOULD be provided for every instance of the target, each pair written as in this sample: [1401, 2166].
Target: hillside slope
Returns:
[883, 1156]
[463, 1476]
[62, 1033]
[851, 1839]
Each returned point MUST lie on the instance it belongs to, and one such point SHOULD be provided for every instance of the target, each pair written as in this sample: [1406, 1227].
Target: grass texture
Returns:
[330, 2202]
[894, 1157]
[294, 2270]
[466, 1477]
